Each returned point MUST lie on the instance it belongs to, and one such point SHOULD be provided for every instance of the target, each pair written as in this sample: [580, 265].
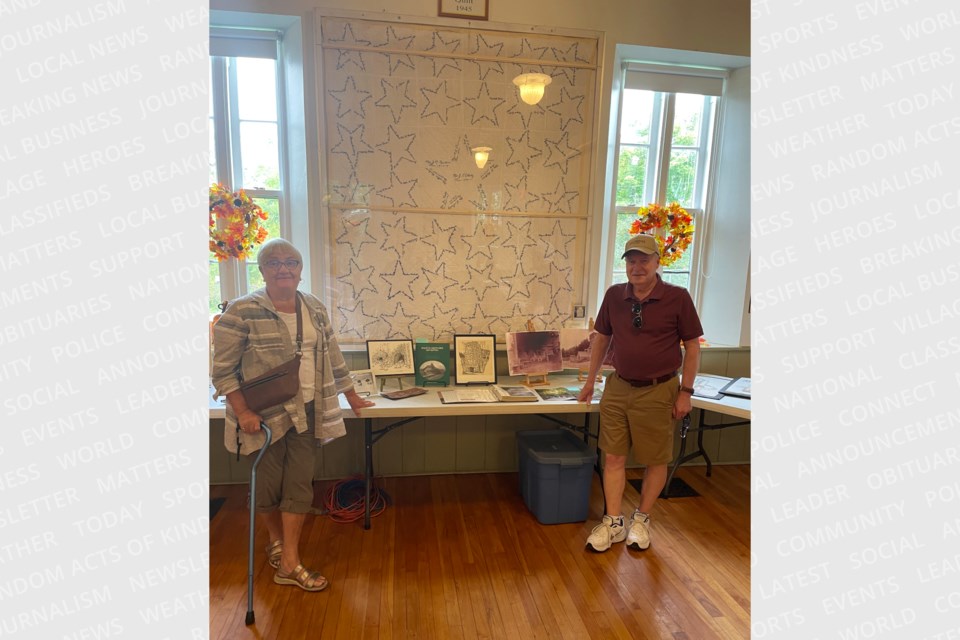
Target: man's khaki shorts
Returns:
[640, 418]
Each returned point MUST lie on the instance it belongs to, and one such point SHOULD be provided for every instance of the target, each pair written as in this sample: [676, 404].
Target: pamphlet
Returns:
[364, 382]
[710, 386]
[481, 394]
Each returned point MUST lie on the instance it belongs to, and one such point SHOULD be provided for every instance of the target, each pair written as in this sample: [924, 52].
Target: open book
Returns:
[480, 394]
[514, 394]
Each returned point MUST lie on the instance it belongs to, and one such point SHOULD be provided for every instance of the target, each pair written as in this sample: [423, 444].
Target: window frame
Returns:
[660, 148]
[226, 125]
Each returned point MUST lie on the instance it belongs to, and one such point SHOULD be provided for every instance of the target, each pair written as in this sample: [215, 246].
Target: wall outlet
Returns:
[579, 311]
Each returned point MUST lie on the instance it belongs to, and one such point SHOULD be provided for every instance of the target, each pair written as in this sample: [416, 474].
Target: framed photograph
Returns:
[364, 382]
[533, 352]
[472, 9]
[390, 357]
[475, 359]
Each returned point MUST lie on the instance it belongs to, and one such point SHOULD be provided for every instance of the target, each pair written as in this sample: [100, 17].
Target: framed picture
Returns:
[475, 359]
[390, 357]
[472, 9]
[533, 352]
[364, 382]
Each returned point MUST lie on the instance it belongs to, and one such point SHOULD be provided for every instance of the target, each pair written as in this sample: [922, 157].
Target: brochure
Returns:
[710, 386]
[480, 394]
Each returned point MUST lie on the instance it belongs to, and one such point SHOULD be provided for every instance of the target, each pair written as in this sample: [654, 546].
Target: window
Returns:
[245, 140]
[666, 131]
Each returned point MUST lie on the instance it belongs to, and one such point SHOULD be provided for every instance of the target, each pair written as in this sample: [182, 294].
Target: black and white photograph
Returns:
[575, 348]
[474, 358]
[390, 357]
[533, 352]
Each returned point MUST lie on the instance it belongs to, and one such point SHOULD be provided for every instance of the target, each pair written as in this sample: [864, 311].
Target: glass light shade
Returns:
[531, 86]
[481, 155]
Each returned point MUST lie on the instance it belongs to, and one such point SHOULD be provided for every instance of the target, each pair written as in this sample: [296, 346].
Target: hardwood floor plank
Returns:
[461, 556]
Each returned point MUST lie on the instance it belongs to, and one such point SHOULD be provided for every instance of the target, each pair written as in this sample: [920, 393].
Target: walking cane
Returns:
[253, 503]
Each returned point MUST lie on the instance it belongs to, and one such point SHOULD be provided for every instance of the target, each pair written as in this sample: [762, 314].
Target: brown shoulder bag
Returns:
[279, 384]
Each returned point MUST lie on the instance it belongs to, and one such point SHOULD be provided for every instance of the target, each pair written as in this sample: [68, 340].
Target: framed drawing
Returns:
[475, 360]
[390, 357]
[533, 352]
[472, 9]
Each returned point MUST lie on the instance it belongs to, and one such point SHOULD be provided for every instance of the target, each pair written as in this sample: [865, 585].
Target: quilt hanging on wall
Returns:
[423, 243]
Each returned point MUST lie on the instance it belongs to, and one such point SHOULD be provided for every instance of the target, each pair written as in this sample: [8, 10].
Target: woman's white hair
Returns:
[274, 246]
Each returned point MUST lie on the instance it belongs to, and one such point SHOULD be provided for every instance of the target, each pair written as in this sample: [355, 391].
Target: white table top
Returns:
[429, 404]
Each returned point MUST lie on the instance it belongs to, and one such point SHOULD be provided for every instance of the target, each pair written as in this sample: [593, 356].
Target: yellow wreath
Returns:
[241, 228]
[679, 226]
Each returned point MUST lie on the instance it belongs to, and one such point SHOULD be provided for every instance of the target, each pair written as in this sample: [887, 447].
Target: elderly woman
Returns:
[255, 334]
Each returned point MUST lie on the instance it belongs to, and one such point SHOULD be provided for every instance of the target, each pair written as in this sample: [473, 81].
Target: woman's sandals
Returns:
[303, 578]
[274, 551]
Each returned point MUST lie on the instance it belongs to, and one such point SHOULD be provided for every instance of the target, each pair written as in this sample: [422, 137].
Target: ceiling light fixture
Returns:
[481, 155]
[531, 86]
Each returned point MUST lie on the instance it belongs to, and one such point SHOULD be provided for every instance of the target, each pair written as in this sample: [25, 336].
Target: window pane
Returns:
[214, 272]
[688, 114]
[259, 150]
[256, 89]
[213, 153]
[682, 177]
[272, 207]
[213, 140]
[632, 175]
[637, 116]
[679, 279]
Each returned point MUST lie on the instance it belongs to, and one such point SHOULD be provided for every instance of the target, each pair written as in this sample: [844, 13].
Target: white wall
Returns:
[713, 32]
[727, 261]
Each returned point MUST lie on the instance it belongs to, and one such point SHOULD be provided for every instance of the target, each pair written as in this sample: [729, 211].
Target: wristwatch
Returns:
[687, 389]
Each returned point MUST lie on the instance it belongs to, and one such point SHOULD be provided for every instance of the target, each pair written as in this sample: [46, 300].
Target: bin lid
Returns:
[556, 446]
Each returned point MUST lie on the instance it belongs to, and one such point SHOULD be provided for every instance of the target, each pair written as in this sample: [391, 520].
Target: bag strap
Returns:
[299, 327]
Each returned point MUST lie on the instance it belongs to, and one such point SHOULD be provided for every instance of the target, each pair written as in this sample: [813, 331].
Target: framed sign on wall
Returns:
[473, 9]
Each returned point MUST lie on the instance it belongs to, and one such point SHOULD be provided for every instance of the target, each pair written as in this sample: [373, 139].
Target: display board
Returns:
[423, 243]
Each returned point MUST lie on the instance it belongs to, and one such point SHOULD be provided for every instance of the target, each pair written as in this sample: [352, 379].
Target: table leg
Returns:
[368, 468]
[703, 451]
[684, 427]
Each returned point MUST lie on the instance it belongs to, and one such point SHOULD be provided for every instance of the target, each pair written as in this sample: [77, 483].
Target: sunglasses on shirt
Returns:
[637, 315]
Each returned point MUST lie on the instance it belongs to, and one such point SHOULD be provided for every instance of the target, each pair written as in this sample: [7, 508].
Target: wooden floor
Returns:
[460, 556]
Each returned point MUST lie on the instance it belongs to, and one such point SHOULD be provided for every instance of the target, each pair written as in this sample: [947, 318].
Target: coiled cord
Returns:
[343, 500]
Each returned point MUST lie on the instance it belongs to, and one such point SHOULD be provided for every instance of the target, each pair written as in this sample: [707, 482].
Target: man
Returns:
[646, 319]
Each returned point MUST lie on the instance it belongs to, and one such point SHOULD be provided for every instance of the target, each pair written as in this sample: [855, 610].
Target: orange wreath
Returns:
[673, 218]
[241, 228]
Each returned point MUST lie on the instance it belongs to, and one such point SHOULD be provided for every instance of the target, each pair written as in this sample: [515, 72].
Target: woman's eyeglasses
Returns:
[637, 315]
[274, 265]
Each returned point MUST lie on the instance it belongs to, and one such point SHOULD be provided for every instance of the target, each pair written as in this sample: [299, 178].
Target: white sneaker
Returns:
[609, 530]
[638, 536]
